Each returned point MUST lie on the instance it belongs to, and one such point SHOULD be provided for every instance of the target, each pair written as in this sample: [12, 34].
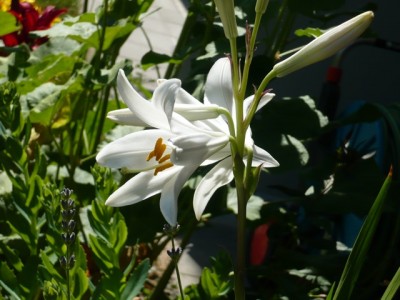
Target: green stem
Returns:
[257, 98]
[240, 268]
[67, 274]
[178, 276]
[249, 55]
[235, 72]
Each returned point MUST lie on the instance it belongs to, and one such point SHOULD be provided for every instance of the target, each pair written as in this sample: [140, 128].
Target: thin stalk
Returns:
[249, 55]
[102, 120]
[257, 98]
[235, 73]
[67, 275]
[178, 276]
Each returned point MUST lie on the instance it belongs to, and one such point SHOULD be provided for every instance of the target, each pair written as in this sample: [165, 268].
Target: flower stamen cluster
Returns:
[157, 153]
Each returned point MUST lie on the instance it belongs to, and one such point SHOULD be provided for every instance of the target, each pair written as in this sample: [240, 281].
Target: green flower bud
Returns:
[325, 45]
[226, 12]
[261, 6]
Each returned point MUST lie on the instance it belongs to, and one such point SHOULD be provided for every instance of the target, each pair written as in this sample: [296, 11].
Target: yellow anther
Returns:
[150, 156]
[162, 167]
[160, 149]
[164, 158]
[163, 161]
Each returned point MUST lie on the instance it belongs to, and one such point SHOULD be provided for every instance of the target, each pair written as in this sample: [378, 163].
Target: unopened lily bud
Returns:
[261, 6]
[325, 45]
[226, 12]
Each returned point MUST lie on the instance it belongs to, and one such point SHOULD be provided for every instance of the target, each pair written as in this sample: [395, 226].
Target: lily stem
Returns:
[240, 269]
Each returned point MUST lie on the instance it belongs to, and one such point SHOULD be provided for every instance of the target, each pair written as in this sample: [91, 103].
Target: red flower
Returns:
[31, 20]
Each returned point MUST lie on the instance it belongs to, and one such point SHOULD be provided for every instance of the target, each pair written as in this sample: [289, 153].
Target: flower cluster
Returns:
[30, 19]
[68, 226]
[185, 134]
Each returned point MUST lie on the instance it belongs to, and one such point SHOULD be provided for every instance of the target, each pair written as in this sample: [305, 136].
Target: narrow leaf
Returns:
[392, 287]
[136, 281]
[358, 254]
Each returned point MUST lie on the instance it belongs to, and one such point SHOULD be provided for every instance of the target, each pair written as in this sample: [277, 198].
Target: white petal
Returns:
[218, 176]
[195, 148]
[142, 108]
[131, 151]
[164, 96]
[170, 193]
[263, 101]
[125, 116]
[194, 112]
[218, 89]
[141, 187]
[262, 157]
[184, 97]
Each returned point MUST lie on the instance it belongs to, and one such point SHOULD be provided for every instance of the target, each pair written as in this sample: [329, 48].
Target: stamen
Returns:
[163, 167]
[160, 150]
[150, 156]
[164, 158]
[164, 162]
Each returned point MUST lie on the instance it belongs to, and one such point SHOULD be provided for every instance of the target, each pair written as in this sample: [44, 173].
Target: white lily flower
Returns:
[183, 139]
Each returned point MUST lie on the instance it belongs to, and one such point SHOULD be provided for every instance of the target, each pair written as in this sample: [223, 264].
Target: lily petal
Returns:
[142, 108]
[195, 148]
[218, 176]
[125, 116]
[141, 187]
[218, 89]
[262, 157]
[131, 151]
[164, 96]
[263, 101]
[170, 193]
[183, 97]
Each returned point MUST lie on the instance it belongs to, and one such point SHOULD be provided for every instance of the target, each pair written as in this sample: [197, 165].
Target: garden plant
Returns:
[102, 179]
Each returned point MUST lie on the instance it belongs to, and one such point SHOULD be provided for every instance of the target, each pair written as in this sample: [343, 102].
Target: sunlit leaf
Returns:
[7, 23]
[309, 32]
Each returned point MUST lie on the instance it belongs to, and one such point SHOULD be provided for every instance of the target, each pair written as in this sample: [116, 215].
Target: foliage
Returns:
[53, 105]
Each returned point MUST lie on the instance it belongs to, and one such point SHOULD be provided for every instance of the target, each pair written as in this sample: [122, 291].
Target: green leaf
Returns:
[137, 280]
[83, 30]
[48, 269]
[57, 45]
[358, 254]
[8, 280]
[40, 104]
[309, 32]
[104, 254]
[152, 58]
[54, 68]
[393, 287]
[7, 23]
[12, 256]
